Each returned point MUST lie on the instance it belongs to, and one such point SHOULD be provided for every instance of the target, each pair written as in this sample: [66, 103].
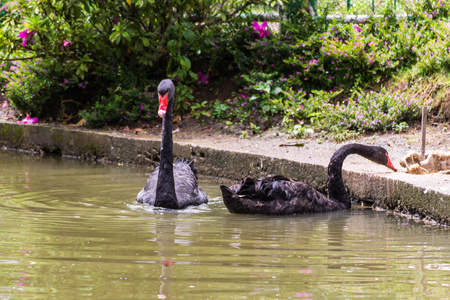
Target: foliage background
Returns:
[102, 61]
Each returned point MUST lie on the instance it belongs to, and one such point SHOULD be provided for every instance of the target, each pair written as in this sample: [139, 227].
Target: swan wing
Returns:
[275, 195]
[186, 185]
[148, 193]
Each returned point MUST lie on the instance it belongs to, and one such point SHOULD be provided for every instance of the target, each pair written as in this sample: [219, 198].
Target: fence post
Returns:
[424, 132]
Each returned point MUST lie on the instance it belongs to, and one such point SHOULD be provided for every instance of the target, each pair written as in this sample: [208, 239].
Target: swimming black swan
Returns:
[171, 185]
[279, 195]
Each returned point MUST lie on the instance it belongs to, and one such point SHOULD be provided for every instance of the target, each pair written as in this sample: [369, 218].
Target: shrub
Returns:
[361, 112]
[127, 43]
[41, 88]
[260, 96]
[122, 107]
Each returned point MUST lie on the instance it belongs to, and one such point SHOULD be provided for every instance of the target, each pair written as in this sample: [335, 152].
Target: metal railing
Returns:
[355, 7]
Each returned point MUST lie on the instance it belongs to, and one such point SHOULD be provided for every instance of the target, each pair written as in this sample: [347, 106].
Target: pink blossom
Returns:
[66, 43]
[202, 78]
[25, 35]
[4, 7]
[5, 104]
[303, 295]
[28, 120]
[357, 28]
[245, 96]
[115, 21]
[261, 29]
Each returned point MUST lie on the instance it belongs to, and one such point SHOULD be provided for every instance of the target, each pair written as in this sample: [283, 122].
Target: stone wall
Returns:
[384, 192]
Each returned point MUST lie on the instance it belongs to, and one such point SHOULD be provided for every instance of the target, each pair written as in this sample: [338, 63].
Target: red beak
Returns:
[389, 164]
[163, 102]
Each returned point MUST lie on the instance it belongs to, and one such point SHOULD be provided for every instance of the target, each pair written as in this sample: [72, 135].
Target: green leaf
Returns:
[87, 59]
[145, 41]
[189, 35]
[126, 35]
[185, 63]
[115, 37]
[171, 46]
[277, 90]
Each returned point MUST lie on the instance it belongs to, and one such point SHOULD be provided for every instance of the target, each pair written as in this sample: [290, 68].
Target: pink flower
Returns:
[4, 7]
[25, 35]
[303, 295]
[202, 78]
[5, 104]
[28, 120]
[261, 29]
[115, 21]
[357, 28]
[66, 43]
[245, 96]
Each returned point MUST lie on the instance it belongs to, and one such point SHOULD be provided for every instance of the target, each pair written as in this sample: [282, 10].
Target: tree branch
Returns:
[14, 59]
[230, 17]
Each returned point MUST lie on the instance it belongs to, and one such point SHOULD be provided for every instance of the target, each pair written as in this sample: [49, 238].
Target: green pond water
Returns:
[71, 229]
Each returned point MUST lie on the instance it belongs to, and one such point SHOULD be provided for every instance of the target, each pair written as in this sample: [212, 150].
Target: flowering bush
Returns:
[260, 96]
[320, 64]
[361, 112]
[312, 70]
[127, 43]
[122, 107]
[39, 87]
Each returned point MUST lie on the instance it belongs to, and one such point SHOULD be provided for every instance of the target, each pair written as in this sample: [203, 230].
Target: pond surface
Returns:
[72, 229]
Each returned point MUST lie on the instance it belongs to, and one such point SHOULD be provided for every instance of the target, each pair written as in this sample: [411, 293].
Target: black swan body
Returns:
[171, 185]
[279, 195]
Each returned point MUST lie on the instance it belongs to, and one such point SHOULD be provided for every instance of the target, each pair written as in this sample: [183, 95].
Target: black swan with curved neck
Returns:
[279, 195]
[171, 185]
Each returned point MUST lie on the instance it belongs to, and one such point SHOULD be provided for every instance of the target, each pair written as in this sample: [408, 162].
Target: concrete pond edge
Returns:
[386, 193]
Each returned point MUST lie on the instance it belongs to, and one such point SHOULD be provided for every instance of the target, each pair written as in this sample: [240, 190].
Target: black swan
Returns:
[279, 195]
[171, 185]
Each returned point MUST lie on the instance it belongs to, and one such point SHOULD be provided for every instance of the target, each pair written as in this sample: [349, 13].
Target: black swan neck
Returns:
[165, 188]
[336, 188]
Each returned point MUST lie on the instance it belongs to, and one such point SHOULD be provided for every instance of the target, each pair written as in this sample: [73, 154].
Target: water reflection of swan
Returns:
[165, 237]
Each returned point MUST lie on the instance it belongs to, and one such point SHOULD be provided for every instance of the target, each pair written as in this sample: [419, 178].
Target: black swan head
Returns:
[380, 156]
[166, 91]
